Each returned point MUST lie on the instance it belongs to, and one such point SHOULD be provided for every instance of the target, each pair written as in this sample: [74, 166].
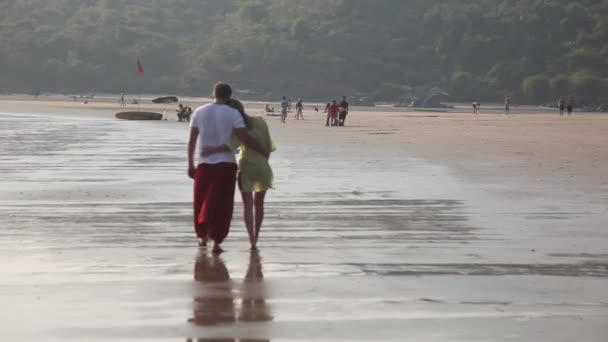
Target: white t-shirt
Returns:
[216, 123]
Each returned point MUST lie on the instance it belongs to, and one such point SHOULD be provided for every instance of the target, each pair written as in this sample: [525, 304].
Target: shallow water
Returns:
[360, 242]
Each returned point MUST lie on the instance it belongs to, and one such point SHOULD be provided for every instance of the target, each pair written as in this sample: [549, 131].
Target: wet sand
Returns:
[402, 226]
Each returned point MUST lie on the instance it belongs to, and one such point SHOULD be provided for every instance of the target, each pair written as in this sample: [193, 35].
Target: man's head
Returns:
[283, 97]
[334, 101]
[222, 92]
[343, 98]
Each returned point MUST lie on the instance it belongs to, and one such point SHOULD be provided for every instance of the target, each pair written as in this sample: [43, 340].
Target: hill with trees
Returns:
[534, 50]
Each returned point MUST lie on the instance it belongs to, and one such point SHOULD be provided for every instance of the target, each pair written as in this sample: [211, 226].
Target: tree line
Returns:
[534, 50]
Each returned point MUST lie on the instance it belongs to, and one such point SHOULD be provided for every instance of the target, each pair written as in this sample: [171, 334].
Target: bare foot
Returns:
[217, 249]
[202, 243]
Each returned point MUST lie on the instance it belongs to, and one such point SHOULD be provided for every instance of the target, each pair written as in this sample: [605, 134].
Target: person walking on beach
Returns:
[507, 106]
[299, 108]
[476, 106]
[332, 114]
[343, 111]
[569, 106]
[255, 174]
[122, 99]
[561, 105]
[215, 177]
[284, 109]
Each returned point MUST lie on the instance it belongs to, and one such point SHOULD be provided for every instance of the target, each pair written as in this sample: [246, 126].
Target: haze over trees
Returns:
[535, 50]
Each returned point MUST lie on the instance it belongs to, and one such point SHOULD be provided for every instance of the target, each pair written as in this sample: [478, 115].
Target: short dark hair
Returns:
[222, 91]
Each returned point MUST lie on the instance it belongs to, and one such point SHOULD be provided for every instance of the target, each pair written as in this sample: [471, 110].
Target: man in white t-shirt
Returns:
[215, 176]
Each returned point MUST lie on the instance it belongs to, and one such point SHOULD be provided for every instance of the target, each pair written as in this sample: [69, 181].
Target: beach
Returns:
[403, 225]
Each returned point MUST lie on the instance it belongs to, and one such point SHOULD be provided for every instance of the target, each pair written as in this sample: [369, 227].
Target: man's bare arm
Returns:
[192, 139]
[250, 141]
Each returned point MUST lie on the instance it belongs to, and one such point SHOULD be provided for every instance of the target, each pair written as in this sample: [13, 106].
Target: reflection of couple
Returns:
[220, 127]
[214, 304]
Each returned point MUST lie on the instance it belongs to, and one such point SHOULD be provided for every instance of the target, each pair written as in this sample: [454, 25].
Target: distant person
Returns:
[284, 109]
[475, 108]
[507, 106]
[299, 108]
[188, 114]
[268, 109]
[562, 105]
[316, 109]
[215, 177]
[180, 112]
[255, 175]
[570, 105]
[343, 109]
[327, 112]
[122, 99]
[332, 114]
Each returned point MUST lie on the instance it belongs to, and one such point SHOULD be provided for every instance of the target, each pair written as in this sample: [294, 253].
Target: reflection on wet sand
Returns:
[253, 305]
[214, 302]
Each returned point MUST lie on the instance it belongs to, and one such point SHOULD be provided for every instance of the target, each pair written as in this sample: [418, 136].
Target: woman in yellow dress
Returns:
[255, 175]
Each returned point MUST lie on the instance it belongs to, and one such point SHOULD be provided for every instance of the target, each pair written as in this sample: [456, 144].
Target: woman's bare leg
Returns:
[259, 212]
[248, 216]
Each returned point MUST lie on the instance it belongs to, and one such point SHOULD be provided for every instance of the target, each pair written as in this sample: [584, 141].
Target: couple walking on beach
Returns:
[220, 128]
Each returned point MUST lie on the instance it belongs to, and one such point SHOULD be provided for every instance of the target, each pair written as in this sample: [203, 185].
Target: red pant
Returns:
[214, 200]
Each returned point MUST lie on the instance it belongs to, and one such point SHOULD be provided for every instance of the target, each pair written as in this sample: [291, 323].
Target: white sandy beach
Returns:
[403, 225]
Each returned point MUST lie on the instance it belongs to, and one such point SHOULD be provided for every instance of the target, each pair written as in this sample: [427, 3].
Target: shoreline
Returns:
[396, 221]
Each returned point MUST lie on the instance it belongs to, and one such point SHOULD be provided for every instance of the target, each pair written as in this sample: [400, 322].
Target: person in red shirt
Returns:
[332, 114]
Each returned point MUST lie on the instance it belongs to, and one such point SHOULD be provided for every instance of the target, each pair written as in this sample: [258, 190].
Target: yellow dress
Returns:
[255, 174]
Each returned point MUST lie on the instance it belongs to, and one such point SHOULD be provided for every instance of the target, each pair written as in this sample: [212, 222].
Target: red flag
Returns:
[140, 69]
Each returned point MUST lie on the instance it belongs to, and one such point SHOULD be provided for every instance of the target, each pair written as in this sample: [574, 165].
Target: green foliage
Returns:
[536, 87]
[475, 49]
[586, 85]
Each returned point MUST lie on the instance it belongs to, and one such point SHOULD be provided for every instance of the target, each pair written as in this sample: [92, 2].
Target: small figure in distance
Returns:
[562, 105]
[507, 106]
[180, 112]
[332, 113]
[188, 114]
[284, 109]
[327, 111]
[570, 105]
[343, 111]
[268, 109]
[299, 108]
